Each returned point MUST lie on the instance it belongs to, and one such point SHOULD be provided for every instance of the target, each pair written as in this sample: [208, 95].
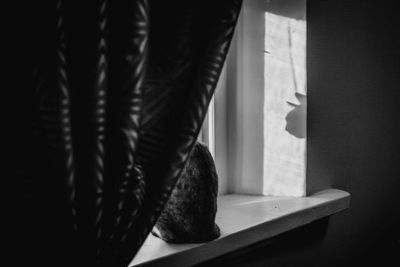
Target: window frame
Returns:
[238, 110]
[236, 113]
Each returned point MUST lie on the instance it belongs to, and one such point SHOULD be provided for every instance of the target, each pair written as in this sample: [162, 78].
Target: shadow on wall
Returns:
[296, 119]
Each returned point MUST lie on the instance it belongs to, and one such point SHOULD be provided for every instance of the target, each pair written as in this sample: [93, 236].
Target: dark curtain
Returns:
[107, 103]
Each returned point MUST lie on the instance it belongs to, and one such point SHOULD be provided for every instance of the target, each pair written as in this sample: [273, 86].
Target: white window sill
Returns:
[244, 220]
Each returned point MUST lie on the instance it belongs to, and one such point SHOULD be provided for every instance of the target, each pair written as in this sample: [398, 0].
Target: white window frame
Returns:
[234, 126]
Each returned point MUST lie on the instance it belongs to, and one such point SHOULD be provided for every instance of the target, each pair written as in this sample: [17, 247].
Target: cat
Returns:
[189, 214]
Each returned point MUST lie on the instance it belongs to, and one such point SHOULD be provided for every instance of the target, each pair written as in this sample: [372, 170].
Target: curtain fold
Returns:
[118, 93]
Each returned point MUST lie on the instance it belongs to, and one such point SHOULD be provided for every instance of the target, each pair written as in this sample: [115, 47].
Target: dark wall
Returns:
[354, 104]
[353, 139]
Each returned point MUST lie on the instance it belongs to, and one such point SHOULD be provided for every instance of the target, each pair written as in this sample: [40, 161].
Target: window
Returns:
[260, 103]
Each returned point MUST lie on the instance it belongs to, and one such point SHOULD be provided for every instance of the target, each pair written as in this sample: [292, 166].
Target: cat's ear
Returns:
[292, 104]
[302, 98]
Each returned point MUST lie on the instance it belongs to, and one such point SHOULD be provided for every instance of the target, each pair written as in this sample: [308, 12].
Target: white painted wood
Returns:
[220, 133]
[284, 124]
[245, 220]
[254, 153]
[245, 87]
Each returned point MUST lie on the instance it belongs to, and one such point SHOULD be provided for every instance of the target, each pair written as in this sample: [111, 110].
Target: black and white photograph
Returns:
[205, 133]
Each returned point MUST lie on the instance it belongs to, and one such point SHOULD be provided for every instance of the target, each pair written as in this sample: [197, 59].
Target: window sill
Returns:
[244, 220]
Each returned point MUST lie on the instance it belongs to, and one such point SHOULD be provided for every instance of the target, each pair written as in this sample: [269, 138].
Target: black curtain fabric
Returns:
[107, 103]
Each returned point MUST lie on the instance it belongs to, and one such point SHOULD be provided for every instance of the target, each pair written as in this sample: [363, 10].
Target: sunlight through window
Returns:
[284, 106]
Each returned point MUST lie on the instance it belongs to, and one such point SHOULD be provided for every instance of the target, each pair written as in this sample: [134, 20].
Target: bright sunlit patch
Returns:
[284, 106]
